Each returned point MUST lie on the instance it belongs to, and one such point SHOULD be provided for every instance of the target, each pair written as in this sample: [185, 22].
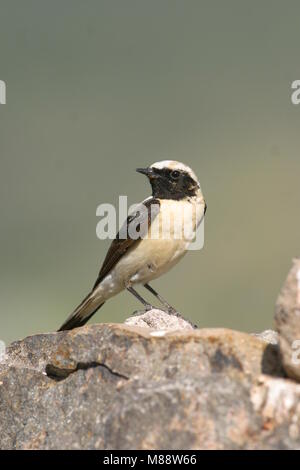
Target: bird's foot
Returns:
[136, 313]
[147, 308]
[172, 311]
[169, 311]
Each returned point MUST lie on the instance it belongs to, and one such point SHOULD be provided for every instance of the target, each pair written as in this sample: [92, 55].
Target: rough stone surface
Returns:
[159, 320]
[113, 386]
[287, 321]
[269, 336]
[156, 382]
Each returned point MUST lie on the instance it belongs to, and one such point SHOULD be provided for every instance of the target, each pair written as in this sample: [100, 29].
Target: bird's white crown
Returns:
[174, 165]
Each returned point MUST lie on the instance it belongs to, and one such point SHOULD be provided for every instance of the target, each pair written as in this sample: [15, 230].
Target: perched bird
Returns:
[167, 221]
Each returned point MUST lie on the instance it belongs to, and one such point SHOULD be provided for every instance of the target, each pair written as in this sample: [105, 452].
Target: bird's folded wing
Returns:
[142, 218]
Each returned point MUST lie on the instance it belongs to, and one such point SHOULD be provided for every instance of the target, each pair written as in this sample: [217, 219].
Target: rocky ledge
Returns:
[154, 382]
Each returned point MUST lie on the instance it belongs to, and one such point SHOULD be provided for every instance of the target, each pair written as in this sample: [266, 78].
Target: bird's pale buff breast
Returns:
[166, 243]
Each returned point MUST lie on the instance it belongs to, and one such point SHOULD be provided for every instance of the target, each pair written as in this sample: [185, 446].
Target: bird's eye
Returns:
[175, 174]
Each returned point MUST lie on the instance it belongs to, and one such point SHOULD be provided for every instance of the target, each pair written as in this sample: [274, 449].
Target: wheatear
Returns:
[167, 221]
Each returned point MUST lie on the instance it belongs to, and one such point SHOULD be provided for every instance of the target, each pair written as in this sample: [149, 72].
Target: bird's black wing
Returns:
[143, 216]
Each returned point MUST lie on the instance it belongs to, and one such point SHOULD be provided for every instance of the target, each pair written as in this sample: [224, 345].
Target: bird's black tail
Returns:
[82, 313]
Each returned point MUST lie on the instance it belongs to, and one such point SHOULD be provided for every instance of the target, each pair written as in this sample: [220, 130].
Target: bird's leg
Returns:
[140, 298]
[160, 298]
[171, 310]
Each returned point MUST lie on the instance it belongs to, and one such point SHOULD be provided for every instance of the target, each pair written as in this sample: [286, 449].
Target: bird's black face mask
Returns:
[170, 184]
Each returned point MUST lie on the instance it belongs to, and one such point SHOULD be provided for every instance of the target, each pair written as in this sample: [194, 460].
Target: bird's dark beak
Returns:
[146, 171]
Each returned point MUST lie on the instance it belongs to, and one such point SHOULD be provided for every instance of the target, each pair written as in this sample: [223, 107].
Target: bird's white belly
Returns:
[148, 260]
[155, 257]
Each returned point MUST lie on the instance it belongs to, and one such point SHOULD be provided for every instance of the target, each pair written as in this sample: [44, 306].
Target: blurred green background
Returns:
[97, 88]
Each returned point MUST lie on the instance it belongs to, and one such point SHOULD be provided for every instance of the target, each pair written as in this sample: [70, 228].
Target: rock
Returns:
[269, 336]
[278, 403]
[113, 386]
[159, 320]
[126, 351]
[31, 353]
[287, 322]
